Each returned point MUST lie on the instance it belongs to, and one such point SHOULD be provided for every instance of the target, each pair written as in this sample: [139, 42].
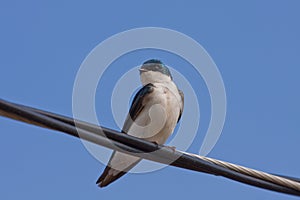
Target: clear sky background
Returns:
[255, 45]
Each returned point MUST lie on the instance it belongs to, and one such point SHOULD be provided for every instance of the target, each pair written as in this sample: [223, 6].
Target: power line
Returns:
[131, 145]
[284, 181]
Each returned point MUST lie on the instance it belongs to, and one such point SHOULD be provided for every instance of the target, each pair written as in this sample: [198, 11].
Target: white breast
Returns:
[159, 117]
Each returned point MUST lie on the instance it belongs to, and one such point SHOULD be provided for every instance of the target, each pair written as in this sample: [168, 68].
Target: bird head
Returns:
[154, 71]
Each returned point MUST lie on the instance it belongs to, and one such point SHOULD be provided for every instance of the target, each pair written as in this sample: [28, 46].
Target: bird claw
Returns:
[173, 148]
[154, 142]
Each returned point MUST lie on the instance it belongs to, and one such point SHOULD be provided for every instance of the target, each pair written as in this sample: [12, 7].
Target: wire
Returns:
[128, 144]
[284, 181]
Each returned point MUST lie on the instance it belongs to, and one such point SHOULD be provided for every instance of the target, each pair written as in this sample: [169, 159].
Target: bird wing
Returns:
[120, 163]
[137, 105]
[182, 104]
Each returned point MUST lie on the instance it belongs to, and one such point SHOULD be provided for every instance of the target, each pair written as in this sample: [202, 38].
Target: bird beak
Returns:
[142, 70]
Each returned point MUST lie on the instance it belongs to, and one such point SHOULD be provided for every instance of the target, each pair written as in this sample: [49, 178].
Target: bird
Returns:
[155, 110]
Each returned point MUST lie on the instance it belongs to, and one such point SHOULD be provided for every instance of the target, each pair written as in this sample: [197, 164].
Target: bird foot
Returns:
[173, 148]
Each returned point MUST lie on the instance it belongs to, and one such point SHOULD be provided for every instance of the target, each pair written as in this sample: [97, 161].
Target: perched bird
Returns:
[153, 115]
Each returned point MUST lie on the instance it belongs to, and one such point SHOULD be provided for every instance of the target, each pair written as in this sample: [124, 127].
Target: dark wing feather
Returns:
[137, 106]
[135, 109]
[181, 109]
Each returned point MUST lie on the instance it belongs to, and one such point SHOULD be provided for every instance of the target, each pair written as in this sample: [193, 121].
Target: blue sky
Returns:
[255, 45]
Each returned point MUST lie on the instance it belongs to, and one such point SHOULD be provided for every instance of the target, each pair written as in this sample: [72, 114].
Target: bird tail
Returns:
[115, 170]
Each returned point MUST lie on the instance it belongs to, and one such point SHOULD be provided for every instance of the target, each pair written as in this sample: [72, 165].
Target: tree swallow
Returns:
[153, 115]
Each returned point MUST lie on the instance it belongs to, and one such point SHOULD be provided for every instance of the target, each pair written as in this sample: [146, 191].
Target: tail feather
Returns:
[115, 170]
[107, 176]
